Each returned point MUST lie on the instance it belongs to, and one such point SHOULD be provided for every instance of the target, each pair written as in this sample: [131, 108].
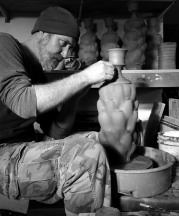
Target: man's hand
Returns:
[99, 72]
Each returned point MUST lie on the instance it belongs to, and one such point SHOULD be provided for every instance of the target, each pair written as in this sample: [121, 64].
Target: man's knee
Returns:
[82, 149]
[87, 176]
[96, 151]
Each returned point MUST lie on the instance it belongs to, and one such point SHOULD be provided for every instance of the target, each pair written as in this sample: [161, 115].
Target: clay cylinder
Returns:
[117, 56]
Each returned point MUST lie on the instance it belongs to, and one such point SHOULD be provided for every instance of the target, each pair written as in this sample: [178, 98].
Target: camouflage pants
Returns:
[74, 169]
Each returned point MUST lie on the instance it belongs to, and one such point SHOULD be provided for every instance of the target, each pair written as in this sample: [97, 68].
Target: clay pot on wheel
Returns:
[118, 112]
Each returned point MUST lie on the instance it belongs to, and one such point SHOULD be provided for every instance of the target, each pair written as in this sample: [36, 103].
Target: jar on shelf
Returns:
[135, 31]
[153, 41]
[110, 39]
[88, 46]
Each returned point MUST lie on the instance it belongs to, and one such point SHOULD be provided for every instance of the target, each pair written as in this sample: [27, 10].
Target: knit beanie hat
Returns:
[57, 20]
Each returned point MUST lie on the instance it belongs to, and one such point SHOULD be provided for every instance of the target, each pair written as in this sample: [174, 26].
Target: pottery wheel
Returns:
[138, 162]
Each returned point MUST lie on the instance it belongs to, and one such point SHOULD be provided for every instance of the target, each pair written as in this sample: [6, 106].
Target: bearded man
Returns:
[69, 167]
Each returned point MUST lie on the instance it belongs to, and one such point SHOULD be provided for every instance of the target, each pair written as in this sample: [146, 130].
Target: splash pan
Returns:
[148, 182]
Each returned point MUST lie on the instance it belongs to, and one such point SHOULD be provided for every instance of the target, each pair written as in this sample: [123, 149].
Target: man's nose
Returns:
[64, 53]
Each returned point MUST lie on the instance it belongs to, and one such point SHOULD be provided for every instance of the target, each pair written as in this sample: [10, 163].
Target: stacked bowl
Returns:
[167, 55]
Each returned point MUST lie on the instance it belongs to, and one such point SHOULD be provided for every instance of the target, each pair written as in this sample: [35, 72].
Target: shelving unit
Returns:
[140, 78]
[90, 8]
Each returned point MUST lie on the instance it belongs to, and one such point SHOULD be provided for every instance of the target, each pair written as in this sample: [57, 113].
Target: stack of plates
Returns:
[167, 55]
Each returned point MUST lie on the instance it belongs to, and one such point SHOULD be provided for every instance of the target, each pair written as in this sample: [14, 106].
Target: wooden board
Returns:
[171, 120]
[153, 78]
[153, 123]
[166, 201]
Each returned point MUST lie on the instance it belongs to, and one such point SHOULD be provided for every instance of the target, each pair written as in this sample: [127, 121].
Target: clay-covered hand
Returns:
[99, 72]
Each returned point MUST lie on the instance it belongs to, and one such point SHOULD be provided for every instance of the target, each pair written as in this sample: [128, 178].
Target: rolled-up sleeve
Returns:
[18, 94]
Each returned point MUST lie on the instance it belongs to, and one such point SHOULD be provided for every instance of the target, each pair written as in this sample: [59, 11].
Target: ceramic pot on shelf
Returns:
[153, 41]
[135, 31]
[110, 39]
[88, 46]
[117, 113]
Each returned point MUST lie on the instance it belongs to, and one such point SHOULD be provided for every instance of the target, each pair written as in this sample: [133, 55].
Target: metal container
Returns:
[148, 182]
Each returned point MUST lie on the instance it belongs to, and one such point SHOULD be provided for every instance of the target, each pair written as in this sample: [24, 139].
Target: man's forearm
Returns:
[53, 94]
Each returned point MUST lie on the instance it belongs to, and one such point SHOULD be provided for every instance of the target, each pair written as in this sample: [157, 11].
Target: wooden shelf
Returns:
[90, 8]
[140, 78]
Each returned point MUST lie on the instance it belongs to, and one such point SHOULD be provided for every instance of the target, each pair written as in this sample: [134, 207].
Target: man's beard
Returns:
[48, 60]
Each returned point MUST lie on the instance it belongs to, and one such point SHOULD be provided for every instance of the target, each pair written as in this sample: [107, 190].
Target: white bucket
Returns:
[169, 142]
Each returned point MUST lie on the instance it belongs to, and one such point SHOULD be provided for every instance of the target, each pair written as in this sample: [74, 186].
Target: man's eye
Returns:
[63, 43]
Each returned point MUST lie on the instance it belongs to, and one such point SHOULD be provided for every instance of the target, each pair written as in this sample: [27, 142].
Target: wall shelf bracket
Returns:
[5, 13]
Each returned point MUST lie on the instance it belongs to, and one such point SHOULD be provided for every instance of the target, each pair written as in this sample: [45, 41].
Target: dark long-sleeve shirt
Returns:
[18, 101]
